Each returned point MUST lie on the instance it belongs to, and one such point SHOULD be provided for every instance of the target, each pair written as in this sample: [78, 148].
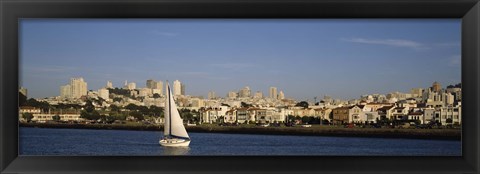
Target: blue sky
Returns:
[304, 58]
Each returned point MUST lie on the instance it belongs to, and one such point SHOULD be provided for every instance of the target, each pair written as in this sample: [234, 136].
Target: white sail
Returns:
[173, 123]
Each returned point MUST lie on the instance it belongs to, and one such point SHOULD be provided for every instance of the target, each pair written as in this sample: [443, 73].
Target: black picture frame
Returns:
[12, 10]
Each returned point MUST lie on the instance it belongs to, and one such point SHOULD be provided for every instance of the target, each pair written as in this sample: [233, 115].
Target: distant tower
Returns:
[177, 87]
[273, 93]
[76, 89]
[211, 95]
[182, 89]
[436, 87]
[258, 95]
[151, 84]
[109, 85]
[281, 96]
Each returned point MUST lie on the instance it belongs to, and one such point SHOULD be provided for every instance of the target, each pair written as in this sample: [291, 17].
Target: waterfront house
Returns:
[386, 112]
[399, 113]
[323, 113]
[230, 116]
[242, 115]
[347, 114]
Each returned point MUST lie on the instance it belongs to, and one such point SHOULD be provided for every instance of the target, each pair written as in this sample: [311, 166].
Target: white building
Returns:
[131, 86]
[76, 89]
[281, 95]
[109, 85]
[273, 93]
[104, 93]
[177, 87]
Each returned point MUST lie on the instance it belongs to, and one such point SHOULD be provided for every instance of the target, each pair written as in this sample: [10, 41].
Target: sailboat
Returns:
[175, 134]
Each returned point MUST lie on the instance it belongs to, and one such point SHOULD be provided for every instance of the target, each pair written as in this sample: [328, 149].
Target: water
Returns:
[45, 141]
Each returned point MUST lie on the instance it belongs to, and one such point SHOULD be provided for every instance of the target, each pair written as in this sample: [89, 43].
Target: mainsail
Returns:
[173, 126]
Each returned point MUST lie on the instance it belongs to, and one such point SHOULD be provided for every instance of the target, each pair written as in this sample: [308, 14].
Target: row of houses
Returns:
[39, 116]
[368, 113]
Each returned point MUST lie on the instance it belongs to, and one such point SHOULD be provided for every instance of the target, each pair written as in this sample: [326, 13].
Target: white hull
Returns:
[174, 142]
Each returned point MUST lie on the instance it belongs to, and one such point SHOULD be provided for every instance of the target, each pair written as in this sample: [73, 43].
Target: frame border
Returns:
[12, 10]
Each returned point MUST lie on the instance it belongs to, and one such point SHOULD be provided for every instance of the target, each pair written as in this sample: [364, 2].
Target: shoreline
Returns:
[432, 134]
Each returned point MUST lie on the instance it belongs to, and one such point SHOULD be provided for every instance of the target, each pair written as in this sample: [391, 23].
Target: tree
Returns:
[56, 118]
[114, 108]
[245, 105]
[117, 99]
[156, 111]
[156, 95]
[94, 115]
[89, 106]
[27, 116]
[131, 107]
[303, 104]
[22, 99]
[136, 115]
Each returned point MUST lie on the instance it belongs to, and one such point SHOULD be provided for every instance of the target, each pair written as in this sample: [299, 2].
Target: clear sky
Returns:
[304, 58]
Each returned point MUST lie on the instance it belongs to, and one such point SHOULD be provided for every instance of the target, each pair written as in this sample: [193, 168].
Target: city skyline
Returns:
[303, 58]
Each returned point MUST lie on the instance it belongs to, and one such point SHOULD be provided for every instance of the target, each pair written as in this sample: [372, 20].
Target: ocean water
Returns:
[80, 142]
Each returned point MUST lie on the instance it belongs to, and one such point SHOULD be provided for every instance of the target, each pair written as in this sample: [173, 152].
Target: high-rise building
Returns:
[177, 87]
[281, 95]
[436, 87]
[211, 95]
[258, 95]
[109, 85]
[273, 93]
[65, 91]
[245, 92]
[76, 89]
[182, 89]
[104, 93]
[151, 83]
[79, 87]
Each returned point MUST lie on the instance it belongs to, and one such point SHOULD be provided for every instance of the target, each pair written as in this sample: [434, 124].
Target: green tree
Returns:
[27, 116]
[89, 106]
[56, 118]
[156, 95]
[303, 104]
[94, 115]
[245, 105]
[114, 108]
[131, 107]
[137, 115]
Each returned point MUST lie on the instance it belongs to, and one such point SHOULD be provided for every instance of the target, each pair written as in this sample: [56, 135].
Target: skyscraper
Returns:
[273, 92]
[65, 91]
[281, 96]
[182, 89]
[177, 87]
[245, 92]
[79, 87]
[76, 89]
[211, 95]
[152, 84]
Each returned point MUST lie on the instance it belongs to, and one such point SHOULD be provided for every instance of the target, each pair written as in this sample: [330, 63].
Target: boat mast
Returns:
[169, 112]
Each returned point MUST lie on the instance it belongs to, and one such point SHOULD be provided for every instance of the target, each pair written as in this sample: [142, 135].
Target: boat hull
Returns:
[174, 142]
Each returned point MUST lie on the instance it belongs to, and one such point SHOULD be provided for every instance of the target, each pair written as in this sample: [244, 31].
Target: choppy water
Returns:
[46, 141]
